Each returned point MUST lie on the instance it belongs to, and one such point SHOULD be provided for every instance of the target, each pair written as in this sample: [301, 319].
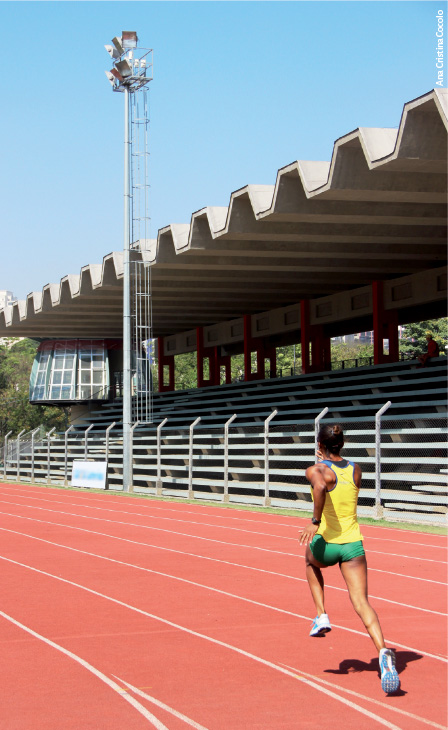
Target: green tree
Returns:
[16, 412]
[413, 340]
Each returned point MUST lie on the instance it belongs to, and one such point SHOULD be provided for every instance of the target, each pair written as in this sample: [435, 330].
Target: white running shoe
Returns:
[390, 680]
[321, 625]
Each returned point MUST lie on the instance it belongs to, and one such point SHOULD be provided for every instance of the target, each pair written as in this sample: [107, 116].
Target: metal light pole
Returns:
[128, 75]
[127, 375]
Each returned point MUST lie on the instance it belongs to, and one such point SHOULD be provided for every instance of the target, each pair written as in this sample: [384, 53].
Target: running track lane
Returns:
[271, 636]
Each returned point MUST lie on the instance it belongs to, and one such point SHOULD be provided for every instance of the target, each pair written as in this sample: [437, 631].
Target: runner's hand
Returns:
[307, 534]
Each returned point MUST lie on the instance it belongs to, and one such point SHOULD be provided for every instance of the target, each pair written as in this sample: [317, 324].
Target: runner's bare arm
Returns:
[316, 476]
[357, 476]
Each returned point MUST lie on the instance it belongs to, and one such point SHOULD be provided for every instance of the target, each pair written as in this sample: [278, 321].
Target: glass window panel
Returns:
[57, 377]
[55, 392]
[85, 376]
[85, 392]
[69, 360]
[58, 357]
[98, 377]
[68, 377]
[85, 364]
[66, 392]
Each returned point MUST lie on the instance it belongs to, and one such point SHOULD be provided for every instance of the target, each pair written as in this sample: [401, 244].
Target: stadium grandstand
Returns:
[356, 244]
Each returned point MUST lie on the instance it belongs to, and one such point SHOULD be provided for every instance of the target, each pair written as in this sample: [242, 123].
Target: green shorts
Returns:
[330, 553]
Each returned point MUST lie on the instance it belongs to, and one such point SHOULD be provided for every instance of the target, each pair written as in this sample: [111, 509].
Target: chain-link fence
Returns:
[404, 461]
[414, 474]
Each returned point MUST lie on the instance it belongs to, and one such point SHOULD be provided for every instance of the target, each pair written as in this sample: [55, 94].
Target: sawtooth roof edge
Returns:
[379, 146]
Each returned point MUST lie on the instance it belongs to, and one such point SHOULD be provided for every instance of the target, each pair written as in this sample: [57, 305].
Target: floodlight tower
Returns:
[131, 71]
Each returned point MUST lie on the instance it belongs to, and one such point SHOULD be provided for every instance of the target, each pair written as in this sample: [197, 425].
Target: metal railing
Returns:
[404, 461]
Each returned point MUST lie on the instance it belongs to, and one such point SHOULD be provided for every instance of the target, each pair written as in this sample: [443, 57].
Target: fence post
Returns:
[48, 454]
[18, 453]
[86, 436]
[131, 476]
[159, 458]
[378, 509]
[225, 497]
[267, 500]
[70, 428]
[108, 429]
[5, 452]
[190, 460]
[33, 433]
[316, 428]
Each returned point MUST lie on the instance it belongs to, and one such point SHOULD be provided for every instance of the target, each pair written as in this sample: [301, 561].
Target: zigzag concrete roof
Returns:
[377, 210]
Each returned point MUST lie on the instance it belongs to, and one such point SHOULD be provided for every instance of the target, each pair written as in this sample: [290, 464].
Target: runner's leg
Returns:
[315, 580]
[354, 572]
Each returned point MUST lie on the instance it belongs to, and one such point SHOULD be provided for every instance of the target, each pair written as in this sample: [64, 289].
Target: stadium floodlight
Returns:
[124, 68]
[110, 77]
[116, 74]
[113, 53]
[129, 39]
[117, 43]
[125, 80]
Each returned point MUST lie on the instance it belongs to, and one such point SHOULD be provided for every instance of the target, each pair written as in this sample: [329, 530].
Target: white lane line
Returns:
[223, 644]
[392, 708]
[241, 515]
[149, 527]
[87, 505]
[247, 600]
[165, 707]
[132, 701]
[411, 577]
[201, 585]
[196, 537]
[181, 552]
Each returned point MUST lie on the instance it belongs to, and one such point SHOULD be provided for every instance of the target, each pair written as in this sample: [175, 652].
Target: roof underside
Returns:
[377, 210]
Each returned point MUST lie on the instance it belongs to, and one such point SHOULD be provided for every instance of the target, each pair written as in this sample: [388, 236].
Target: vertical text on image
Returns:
[439, 49]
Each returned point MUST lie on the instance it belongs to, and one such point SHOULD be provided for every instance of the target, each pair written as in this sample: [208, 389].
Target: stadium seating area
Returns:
[175, 459]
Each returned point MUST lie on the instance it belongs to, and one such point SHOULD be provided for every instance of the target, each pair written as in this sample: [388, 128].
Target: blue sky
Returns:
[240, 89]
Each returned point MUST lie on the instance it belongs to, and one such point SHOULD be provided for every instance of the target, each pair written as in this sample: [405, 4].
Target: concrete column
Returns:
[257, 344]
[163, 360]
[247, 347]
[200, 357]
[320, 343]
[385, 327]
[305, 334]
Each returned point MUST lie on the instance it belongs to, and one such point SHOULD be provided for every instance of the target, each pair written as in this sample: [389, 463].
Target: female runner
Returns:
[334, 537]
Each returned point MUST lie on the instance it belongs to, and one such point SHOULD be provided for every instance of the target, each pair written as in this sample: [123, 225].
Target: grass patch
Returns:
[410, 526]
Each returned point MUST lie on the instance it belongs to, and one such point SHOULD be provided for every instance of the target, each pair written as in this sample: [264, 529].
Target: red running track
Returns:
[119, 612]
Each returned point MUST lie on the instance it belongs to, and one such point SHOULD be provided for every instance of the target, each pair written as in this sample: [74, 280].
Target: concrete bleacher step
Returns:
[413, 433]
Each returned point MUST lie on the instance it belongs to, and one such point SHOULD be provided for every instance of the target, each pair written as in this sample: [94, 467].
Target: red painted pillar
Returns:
[162, 361]
[214, 359]
[320, 349]
[385, 327]
[305, 334]
[320, 343]
[200, 357]
[257, 344]
[394, 350]
[271, 353]
[247, 347]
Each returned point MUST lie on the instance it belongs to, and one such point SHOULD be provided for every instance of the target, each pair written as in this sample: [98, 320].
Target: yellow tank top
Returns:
[339, 520]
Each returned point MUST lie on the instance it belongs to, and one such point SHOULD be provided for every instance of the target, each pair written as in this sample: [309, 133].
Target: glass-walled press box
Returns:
[75, 371]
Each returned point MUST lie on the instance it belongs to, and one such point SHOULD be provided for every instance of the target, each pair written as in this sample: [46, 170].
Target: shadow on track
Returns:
[349, 666]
